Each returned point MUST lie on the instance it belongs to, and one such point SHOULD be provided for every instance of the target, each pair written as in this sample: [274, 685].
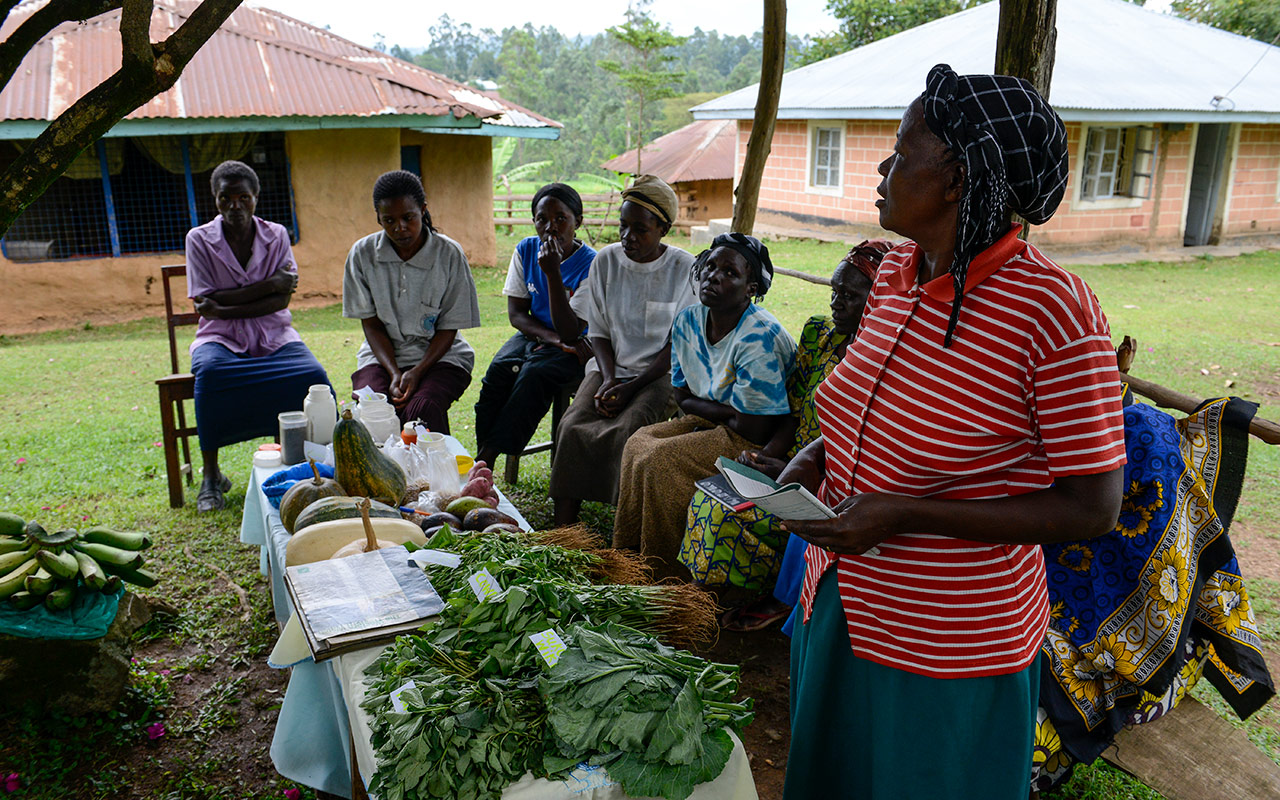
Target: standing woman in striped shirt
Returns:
[975, 417]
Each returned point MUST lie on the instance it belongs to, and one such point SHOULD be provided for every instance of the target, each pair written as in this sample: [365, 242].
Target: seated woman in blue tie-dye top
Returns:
[729, 364]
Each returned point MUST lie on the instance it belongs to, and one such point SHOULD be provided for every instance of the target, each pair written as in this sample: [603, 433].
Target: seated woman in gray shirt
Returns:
[411, 288]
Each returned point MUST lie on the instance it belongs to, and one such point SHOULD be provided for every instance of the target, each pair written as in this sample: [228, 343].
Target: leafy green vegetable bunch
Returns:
[509, 557]
[654, 716]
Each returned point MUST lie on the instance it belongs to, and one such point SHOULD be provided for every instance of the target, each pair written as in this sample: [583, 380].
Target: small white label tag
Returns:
[437, 558]
[395, 696]
[550, 645]
[421, 431]
[484, 585]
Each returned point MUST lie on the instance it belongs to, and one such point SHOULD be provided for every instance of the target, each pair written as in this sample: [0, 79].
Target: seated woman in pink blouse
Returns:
[248, 361]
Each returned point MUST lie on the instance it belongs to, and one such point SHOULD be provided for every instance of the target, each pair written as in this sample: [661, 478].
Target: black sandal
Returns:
[211, 498]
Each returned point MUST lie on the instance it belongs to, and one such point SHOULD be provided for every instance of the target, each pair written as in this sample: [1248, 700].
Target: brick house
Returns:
[1173, 126]
[317, 116]
[697, 161]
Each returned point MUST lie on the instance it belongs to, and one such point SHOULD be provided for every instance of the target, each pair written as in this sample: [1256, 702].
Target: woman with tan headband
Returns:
[635, 289]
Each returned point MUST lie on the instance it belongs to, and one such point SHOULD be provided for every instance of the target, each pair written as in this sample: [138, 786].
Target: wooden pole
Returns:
[1026, 40]
[758, 146]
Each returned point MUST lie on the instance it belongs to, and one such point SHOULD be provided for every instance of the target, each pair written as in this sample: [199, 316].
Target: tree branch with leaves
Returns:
[645, 75]
[146, 69]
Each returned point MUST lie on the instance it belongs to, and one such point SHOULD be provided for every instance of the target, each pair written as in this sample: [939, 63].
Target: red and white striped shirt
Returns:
[1028, 391]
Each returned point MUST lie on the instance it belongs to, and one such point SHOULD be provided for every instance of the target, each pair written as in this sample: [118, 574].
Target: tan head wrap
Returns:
[653, 194]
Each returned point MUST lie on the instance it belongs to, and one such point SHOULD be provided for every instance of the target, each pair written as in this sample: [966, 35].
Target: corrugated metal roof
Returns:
[700, 151]
[1113, 58]
[260, 63]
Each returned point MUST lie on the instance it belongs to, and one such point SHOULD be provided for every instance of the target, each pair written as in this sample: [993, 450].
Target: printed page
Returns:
[362, 592]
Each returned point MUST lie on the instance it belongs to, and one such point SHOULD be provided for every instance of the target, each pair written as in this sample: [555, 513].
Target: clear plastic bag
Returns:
[410, 457]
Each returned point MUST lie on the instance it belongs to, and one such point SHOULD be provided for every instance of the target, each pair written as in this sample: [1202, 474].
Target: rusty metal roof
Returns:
[700, 151]
[260, 63]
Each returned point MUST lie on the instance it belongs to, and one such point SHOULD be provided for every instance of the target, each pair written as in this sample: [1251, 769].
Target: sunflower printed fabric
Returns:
[1138, 615]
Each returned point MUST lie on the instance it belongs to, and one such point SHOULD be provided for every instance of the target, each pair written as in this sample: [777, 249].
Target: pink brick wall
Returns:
[1253, 207]
[1156, 219]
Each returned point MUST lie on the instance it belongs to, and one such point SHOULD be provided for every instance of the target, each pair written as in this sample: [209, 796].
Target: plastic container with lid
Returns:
[409, 434]
[380, 418]
[322, 413]
[293, 436]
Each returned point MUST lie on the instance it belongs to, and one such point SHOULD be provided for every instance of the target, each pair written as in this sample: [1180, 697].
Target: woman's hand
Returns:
[861, 522]
[550, 257]
[613, 396]
[402, 386]
[207, 307]
[757, 460]
[282, 280]
[808, 468]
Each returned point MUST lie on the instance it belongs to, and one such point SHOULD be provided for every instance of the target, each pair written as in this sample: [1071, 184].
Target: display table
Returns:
[311, 744]
[321, 720]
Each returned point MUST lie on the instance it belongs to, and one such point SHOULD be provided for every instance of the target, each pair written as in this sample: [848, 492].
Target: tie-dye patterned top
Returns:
[746, 370]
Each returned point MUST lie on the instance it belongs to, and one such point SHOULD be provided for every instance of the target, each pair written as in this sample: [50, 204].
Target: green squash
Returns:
[362, 468]
[304, 493]
[327, 509]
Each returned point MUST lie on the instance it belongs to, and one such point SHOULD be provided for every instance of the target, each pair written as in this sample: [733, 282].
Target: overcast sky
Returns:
[406, 23]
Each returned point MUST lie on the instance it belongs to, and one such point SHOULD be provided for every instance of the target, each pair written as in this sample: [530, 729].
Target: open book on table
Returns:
[348, 603]
[791, 501]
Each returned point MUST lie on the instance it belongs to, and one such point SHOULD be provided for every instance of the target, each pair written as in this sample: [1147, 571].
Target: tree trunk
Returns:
[1026, 41]
[147, 69]
[761, 141]
[1025, 45]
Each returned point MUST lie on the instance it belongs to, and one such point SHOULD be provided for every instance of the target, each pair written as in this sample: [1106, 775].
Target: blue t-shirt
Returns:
[573, 271]
[746, 370]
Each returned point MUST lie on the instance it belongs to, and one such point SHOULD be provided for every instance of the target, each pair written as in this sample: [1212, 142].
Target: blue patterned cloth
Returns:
[1138, 614]
[746, 370]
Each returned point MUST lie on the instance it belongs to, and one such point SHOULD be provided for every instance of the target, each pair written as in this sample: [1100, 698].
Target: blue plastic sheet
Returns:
[279, 483]
[89, 617]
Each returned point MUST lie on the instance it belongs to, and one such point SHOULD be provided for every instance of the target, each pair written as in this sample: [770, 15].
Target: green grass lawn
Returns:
[80, 434]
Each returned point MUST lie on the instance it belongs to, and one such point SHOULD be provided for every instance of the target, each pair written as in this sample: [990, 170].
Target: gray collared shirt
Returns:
[431, 291]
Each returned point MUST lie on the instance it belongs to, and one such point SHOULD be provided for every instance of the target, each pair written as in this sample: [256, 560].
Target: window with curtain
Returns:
[1118, 162]
[142, 195]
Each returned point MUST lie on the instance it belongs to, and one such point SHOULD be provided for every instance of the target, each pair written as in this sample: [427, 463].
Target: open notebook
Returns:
[791, 501]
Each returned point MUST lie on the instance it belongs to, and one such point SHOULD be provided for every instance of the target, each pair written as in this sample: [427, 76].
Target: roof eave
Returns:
[159, 126]
[1067, 114]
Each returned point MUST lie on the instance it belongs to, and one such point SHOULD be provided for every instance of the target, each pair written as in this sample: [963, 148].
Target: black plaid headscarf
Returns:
[1014, 150]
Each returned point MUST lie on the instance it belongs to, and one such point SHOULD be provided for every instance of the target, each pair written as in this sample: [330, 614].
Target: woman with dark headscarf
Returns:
[548, 349]
[745, 548]
[634, 291]
[729, 364]
[953, 446]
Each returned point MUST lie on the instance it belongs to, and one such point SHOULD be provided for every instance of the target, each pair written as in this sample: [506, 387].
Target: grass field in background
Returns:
[80, 432]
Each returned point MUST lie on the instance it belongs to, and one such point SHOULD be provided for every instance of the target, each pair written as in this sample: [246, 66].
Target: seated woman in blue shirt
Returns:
[549, 349]
[729, 364]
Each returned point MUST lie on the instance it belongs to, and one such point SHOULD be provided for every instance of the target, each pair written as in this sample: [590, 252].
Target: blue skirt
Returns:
[238, 396]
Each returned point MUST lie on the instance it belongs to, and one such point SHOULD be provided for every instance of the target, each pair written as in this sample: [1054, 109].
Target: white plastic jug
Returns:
[379, 417]
[322, 413]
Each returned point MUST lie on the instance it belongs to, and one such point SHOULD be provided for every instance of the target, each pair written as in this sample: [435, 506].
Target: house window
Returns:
[142, 195]
[826, 157]
[1118, 162]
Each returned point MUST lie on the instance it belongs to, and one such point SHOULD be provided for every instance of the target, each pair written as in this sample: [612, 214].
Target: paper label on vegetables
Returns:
[395, 696]
[438, 558]
[550, 645]
[484, 585]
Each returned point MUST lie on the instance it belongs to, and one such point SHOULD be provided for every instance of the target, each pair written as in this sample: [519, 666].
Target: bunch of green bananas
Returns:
[42, 567]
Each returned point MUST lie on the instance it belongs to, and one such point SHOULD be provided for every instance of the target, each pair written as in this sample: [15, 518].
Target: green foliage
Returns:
[865, 21]
[643, 72]
[1257, 19]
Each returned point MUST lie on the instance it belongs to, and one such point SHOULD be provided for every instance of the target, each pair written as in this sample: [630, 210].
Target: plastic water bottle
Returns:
[322, 414]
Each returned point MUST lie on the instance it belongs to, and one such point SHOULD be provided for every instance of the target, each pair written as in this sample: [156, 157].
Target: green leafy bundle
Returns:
[475, 720]
[655, 716]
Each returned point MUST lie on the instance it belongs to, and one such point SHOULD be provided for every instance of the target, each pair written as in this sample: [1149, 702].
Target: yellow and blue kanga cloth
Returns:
[745, 548]
[1139, 614]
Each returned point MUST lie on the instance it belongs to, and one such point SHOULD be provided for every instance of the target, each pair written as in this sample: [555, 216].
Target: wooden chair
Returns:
[175, 389]
[558, 406]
